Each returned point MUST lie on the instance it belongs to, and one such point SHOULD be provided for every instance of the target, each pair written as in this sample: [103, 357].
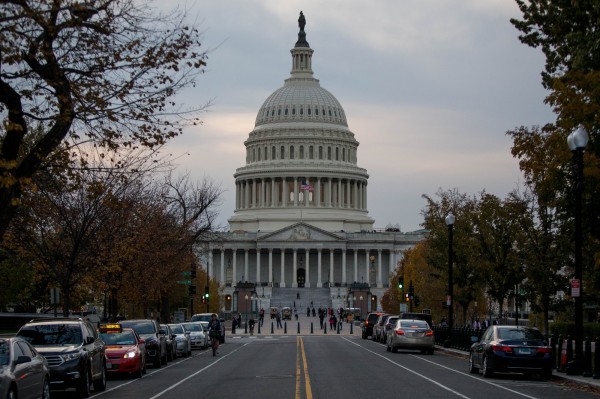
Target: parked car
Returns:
[208, 317]
[198, 337]
[378, 327]
[24, 372]
[156, 341]
[367, 325]
[171, 343]
[511, 348]
[182, 338]
[125, 350]
[73, 350]
[388, 326]
[411, 334]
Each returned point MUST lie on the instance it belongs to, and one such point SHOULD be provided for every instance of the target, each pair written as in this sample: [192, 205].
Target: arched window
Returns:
[301, 155]
[258, 158]
[316, 111]
[266, 153]
[329, 112]
[286, 110]
[308, 110]
[344, 154]
[279, 111]
[273, 153]
[310, 152]
[329, 153]
[291, 152]
[282, 154]
[301, 111]
[294, 111]
[337, 153]
[253, 154]
[273, 112]
[320, 152]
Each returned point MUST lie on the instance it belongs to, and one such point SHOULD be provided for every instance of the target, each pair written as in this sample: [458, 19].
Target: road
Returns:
[324, 366]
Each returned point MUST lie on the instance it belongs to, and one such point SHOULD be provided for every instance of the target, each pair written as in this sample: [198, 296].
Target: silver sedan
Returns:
[182, 337]
[411, 334]
[24, 372]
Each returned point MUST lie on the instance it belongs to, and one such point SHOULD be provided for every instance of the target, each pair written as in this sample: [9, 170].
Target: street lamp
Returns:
[577, 142]
[246, 298]
[450, 223]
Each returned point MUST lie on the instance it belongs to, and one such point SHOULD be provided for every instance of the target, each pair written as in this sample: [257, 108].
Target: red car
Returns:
[125, 350]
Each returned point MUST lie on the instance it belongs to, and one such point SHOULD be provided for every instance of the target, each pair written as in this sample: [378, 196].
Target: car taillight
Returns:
[429, 333]
[502, 348]
[399, 332]
[544, 349]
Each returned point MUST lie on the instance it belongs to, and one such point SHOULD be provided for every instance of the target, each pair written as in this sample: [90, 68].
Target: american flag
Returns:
[305, 186]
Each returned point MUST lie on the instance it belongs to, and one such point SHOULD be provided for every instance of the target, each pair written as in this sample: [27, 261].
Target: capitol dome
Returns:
[301, 160]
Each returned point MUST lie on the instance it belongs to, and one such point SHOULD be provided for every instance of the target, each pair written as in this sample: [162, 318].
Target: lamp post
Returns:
[450, 219]
[577, 142]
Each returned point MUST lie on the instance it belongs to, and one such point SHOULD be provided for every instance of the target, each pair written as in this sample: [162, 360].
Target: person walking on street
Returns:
[261, 316]
[278, 319]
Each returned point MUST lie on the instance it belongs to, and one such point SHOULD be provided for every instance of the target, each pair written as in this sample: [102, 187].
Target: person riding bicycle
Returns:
[214, 332]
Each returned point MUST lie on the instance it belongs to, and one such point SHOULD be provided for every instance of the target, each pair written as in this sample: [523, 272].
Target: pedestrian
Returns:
[233, 324]
[308, 311]
[321, 317]
[278, 319]
[331, 322]
[313, 312]
[261, 316]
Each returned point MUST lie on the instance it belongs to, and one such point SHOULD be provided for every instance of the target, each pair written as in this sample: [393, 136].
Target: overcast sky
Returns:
[429, 88]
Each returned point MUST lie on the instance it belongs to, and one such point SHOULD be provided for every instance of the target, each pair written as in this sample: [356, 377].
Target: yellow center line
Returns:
[302, 371]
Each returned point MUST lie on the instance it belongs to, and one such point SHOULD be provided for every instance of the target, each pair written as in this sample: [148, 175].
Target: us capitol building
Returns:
[301, 229]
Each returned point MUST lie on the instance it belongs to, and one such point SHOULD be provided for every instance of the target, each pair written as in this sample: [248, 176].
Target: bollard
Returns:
[272, 331]
[259, 327]
[351, 325]
[587, 358]
[298, 327]
[559, 354]
[246, 327]
[338, 328]
[324, 328]
[311, 328]
[285, 327]
[597, 359]
[569, 349]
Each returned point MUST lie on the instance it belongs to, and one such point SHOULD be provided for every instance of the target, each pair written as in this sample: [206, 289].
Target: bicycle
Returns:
[214, 340]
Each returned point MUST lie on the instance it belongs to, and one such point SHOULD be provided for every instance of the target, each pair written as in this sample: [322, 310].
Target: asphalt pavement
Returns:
[308, 325]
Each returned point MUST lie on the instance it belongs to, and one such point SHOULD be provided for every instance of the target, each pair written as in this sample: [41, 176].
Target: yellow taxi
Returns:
[125, 350]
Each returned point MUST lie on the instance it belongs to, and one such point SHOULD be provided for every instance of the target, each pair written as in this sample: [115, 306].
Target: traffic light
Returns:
[206, 294]
[192, 289]
[411, 290]
[203, 300]
[401, 283]
[406, 298]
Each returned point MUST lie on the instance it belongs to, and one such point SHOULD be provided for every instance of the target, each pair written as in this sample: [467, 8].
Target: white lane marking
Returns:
[197, 372]
[435, 382]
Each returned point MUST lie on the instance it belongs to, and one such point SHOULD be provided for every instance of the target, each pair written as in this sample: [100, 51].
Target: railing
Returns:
[460, 338]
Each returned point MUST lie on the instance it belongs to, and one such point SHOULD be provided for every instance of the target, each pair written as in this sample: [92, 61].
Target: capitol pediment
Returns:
[300, 232]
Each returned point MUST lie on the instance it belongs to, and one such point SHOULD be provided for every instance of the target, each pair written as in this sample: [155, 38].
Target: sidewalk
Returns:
[556, 374]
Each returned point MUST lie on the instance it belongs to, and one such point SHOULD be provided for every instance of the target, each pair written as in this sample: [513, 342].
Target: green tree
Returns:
[100, 73]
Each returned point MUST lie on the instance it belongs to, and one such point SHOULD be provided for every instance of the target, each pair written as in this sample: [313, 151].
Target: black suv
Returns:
[156, 340]
[367, 325]
[73, 350]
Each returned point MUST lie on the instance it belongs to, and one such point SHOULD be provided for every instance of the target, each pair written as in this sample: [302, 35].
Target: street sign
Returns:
[186, 273]
[188, 282]
[575, 288]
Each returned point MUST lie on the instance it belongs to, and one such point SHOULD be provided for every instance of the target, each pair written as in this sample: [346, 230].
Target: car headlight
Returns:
[67, 357]
[129, 355]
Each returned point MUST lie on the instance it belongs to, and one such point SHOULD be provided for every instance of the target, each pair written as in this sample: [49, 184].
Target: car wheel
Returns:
[83, 388]
[393, 348]
[144, 369]
[485, 369]
[472, 368]
[430, 351]
[364, 336]
[140, 371]
[100, 383]
[157, 363]
[45, 389]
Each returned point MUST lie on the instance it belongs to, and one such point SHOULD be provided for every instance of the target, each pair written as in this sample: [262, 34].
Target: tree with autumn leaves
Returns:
[87, 73]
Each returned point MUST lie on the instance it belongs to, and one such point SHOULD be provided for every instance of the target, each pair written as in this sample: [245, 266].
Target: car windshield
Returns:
[141, 327]
[514, 333]
[204, 325]
[122, 338]
[192, 327]
[177, 328]
[4, 353]
[52, 334]
[413, 324]
[201, 317]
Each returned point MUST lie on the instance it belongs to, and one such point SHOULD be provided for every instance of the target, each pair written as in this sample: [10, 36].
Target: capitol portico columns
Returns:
[319, 281]
[295, 270]
[379, 282]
